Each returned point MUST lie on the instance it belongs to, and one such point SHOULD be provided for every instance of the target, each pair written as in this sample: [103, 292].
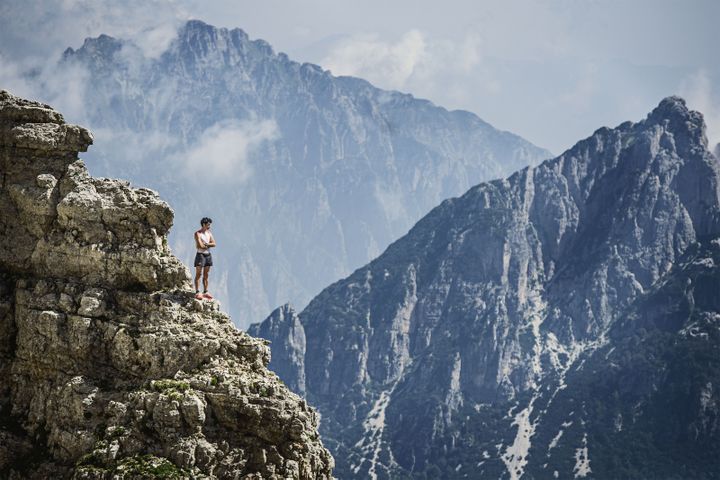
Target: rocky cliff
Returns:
[307, 175]
[561, 322]
[109, 368]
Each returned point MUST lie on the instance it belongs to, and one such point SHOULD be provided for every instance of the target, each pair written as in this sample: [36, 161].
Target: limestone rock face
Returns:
[109, 368]
[284, 325]
[524, 307]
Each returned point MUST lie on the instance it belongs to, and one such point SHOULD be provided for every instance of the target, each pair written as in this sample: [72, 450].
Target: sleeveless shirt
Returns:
[204, 238]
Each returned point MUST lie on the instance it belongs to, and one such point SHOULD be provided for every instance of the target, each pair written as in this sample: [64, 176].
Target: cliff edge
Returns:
[108, 367]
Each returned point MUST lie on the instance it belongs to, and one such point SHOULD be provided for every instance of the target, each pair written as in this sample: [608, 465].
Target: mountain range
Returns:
[563, 322]
[306, 175]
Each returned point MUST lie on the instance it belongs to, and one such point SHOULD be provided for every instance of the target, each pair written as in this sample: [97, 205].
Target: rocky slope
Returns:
[109, 368]
[307, 176]
[561, 322]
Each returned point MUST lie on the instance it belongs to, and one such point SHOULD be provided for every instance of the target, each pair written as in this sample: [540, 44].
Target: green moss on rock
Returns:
[150, 466]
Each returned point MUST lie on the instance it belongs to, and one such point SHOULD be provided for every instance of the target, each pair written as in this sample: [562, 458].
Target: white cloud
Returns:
[697, 89]
[37, 28]
[135, 147]
[153, 41]
[65, 87]
[385, 63]
[470, 52]
[453, 70]
[11, 77]
[34, 33]
[439, 68]
[223, 150]
[61, 86]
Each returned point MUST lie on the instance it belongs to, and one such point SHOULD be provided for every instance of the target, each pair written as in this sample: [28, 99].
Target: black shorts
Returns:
[203, 259]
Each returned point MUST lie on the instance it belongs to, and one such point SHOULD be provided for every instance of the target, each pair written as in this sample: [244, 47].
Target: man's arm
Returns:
[211, 243]
[198, 242]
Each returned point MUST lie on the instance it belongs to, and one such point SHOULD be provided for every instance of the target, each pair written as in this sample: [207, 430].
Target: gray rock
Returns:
[444, 354]
[284, 326]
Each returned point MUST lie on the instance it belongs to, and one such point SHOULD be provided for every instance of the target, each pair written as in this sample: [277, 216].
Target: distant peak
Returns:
[674, 101]
[285, 311]
[673, 105]
[193, 27]
[671, 108]
[194, 23]
[673, 113]
[101, 43]
[197, 29]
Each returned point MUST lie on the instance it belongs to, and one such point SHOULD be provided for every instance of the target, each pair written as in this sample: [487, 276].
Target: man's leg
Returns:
[206, 274]
[198, 272]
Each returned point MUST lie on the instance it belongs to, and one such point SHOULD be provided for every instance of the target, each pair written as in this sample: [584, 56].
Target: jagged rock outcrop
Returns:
[317, 174]
[284, 325]
[645, 403]
[109, 368]
[523, 309]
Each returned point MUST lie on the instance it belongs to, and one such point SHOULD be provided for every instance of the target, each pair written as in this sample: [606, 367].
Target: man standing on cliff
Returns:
[203, 258]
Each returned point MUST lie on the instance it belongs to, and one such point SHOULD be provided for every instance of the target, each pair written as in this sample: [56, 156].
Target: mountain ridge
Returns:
[332, 169]
[463, 332]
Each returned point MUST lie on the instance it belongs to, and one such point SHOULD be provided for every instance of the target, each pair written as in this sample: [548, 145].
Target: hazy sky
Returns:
[551, 71]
